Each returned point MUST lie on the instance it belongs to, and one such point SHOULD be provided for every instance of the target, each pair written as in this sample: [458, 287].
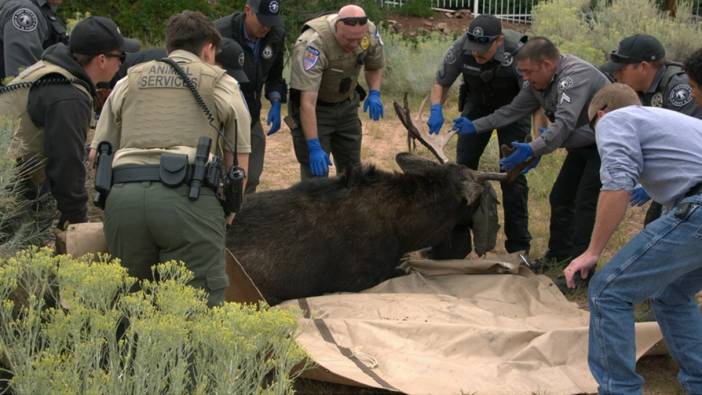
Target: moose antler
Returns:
[435, 143]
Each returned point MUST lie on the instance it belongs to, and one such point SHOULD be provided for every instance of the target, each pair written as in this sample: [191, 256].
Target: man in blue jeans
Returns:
[664, 261]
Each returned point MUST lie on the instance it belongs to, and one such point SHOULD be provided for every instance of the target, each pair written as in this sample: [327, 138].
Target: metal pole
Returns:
[476, 7]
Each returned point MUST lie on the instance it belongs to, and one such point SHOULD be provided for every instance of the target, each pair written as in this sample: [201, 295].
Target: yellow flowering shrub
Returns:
[72, 326]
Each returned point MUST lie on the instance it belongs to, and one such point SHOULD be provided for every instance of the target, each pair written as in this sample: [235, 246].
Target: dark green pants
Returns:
[339, 132]
[258, 152]
[148, 222]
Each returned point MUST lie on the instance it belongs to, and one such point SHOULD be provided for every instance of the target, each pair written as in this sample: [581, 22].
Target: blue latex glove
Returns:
[538, 158]
[639, 197]
[464, 126]
[436, 119]
[522, 152]
[373, 104]
[274, 117]
[319, 160]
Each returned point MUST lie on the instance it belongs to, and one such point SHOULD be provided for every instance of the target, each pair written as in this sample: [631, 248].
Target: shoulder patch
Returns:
[377, 37]
[267, 52]
[310, 58]
[25, 20]
[450, 57]
[507, 59]
[680, 95]
[565, 84]
[657, 100]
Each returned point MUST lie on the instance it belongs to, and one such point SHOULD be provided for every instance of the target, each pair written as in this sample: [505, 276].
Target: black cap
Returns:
[97, 35]
[267, 11]
[635, 49]
[482, 31]
[231, 57]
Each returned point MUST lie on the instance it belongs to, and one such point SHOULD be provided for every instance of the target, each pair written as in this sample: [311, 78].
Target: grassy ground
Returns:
[383, 140]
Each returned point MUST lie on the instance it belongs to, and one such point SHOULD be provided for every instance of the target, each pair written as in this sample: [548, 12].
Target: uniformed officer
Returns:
[28, 27]
[260, 33]
[639, 61]
[324, 94]
[150, 215]
[53, 102]
[485, 58]
[563, 85]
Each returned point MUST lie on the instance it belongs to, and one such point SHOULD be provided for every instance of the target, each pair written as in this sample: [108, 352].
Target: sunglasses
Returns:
[354, 20]
[480, 39]
[121, 56]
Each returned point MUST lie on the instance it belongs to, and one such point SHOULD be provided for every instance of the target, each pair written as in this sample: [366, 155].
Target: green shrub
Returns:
[71, 326]
[592, 32]
[420, 8]
[22, 222]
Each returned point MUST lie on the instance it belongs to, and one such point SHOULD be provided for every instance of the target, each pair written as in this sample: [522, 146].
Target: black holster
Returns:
[103, 174]
[233, 190]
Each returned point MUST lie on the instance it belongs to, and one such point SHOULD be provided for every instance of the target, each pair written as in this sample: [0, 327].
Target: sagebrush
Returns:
[73, 326]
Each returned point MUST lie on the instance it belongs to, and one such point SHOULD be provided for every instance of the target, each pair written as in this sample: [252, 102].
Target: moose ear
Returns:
[414, 164]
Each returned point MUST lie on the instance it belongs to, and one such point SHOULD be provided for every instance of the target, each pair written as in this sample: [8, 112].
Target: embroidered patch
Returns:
[478, 31]
[273, 7]
[565, 84]
[267, 52]
[377, 37]
[25, 20]
[507, 59]
[525, 84]
[365, 42]
[657, 100]
[310, 58]
[680, 95]
[241, 59]
[450, 57]
[564, 98]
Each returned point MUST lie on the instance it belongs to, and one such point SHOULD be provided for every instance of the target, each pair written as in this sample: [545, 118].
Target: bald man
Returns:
[325, 95]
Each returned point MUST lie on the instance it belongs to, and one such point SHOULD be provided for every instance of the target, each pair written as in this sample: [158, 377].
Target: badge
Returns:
[565, 84]
[680, 95]
[450, 57]
[377, 37]
[25, 20]
[241, 59]
[507, 59]
[267, 52]
[273, 7]
[365, 42]
[310, 58]
[657, 100]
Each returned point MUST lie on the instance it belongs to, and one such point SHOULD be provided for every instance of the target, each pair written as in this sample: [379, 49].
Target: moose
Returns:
[350, 232]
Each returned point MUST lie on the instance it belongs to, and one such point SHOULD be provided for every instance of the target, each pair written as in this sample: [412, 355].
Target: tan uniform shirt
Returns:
[319, 64]
[151, 111]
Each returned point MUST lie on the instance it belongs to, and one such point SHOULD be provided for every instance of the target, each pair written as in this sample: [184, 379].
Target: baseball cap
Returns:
[635, 49]
[266, 11]
[96, 35]
[231, 57]
[482, 31]
[612, 97]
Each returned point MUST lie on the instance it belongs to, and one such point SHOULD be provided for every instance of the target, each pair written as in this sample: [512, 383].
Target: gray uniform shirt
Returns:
[565, 103]
[674, 94]
[23, 31]
[659, 148]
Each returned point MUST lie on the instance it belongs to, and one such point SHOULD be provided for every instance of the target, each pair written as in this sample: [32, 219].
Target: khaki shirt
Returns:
[319, 64]
[151, 112]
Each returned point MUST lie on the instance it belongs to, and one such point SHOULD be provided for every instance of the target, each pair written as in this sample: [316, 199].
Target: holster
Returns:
[173, 169]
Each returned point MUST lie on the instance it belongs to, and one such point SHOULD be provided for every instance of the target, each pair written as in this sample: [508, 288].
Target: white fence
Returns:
[518, 11]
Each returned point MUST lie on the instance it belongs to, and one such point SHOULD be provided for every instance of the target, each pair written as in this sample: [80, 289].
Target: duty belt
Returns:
[323, 103]
[142, 173]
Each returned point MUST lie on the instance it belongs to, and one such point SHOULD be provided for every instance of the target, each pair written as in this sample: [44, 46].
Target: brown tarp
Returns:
[482, 326]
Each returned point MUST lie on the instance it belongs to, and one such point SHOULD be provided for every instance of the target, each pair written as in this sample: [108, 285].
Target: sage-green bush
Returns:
[72, 326]
[22, 222]
[591, 32]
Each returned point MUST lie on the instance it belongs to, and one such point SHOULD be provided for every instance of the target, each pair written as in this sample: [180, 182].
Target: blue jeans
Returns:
[664, 263]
